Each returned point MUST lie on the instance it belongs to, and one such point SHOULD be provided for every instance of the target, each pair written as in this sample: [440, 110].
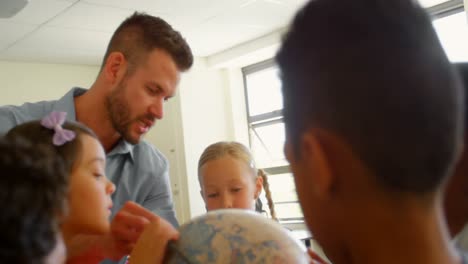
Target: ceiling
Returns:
[77, 31]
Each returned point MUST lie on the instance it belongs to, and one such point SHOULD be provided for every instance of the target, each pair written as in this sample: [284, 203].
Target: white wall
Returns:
[168, 138]
[30, 82]
[238, 105]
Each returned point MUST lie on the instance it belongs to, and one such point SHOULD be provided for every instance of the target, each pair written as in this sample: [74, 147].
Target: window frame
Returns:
[445, 9]
[266, 119]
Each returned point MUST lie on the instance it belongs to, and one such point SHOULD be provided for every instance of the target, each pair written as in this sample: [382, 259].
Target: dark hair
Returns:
[463, 71]
[40, 135]
[141, 33]
[374, 73]
[33, 189]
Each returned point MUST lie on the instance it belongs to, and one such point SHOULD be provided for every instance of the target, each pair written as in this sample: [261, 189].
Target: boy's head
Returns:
[456, 194]
[33, 190]
[372, 110]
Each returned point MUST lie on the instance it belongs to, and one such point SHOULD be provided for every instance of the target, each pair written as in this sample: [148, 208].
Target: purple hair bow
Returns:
[54, 121]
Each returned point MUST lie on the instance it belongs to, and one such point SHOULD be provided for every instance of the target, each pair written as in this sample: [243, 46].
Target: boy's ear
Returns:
[317, 164]
[115, 67]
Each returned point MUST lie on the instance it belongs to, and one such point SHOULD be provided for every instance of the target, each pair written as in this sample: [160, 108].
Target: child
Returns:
[228, 178]
[33, 191]
[84, 159]
[373, 117]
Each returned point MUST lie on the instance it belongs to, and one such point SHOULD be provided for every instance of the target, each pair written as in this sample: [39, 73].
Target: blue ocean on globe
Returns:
[235, 236]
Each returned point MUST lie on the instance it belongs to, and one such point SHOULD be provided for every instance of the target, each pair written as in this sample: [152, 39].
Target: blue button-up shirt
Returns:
[139, 172]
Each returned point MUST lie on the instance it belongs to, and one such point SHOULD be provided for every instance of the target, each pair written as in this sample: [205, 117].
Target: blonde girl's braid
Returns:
[266, 187]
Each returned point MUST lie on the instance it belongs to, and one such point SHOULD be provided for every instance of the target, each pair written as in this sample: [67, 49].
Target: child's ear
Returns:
[258, 186]
[317, 162]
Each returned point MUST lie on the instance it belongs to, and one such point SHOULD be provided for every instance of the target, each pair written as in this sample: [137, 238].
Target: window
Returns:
[266, 127]
[451, 25]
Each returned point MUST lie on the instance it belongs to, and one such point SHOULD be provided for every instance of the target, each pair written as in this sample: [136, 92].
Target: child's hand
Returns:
[126, 228]
[152, 244]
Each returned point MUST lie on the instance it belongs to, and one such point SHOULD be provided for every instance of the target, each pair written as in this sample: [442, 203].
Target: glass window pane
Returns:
[283, 193]
[453, 34]
[429, 3]
[264, 91]
[288, 211]
[282, 187]
[267, 144]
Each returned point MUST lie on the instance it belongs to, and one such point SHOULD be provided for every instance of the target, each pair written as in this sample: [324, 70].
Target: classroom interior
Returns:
[231, 93]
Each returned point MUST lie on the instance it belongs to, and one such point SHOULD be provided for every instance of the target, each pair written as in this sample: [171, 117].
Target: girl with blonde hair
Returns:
[229, 179]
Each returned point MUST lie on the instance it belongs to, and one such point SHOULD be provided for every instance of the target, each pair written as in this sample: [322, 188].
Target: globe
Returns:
[235, 236]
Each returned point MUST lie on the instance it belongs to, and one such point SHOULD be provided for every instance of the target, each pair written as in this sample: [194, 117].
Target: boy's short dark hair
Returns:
[33, 188]
[462, 68]
[374, 73]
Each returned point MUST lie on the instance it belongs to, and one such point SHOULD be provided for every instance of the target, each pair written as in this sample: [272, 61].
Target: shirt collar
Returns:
[122, 147]
[67, 104]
